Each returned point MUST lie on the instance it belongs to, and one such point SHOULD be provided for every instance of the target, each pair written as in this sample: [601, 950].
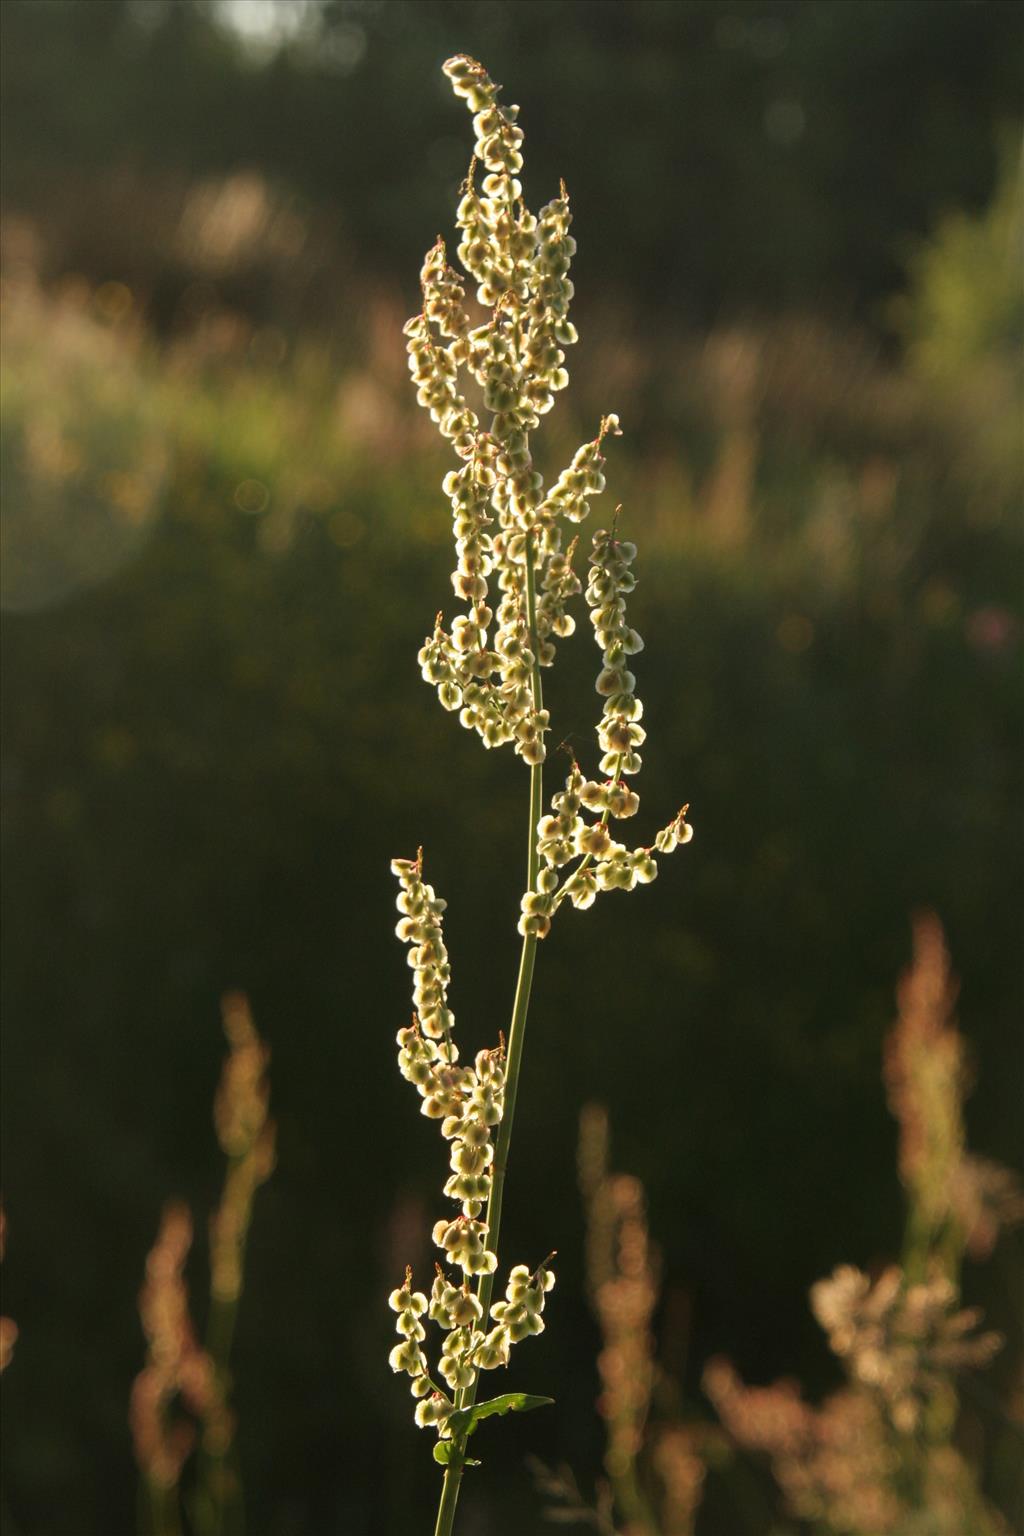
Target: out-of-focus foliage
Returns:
[84, 445]
[963, 319]
[225, 523]
[880, 1456]
[768, 154]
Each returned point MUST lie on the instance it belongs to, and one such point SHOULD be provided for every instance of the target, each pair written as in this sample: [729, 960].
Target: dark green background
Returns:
[211, 756]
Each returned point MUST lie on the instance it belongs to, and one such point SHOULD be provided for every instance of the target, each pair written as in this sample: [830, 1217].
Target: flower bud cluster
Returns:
[619, 732]
[492, 688]
[407, 1356]
[565, 835]
[469, 1102]
[538, 905]
[675, 835]
[467, 1347]
[604, 864]
[520, 1313]
[499, 236]
[520, 264]
[584, 477]
[420, 927]
[548, 328]
[499, 233]
[434, 372]
[444, 295]
[464, 1240]
[559, 583]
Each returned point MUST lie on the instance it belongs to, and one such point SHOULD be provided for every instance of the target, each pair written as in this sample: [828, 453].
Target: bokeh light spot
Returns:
[251, 496]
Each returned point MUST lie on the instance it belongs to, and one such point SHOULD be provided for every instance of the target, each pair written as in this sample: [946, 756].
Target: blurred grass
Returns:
[221, 549]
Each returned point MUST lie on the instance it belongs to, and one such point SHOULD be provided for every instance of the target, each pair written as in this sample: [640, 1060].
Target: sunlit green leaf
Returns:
[464, 1420]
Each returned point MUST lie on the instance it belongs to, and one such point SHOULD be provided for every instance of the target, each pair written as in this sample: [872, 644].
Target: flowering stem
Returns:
[516, 1034]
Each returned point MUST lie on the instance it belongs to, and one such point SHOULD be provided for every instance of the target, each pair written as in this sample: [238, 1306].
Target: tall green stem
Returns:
[516, 1035]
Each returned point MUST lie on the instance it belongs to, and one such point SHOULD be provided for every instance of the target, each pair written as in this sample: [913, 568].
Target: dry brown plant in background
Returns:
[623, 1284]
[955, 1201]
[678, 1460]
[247, 1137]
[879, 1456]
[925, 1077]
[178, 1369]
[655, 1477]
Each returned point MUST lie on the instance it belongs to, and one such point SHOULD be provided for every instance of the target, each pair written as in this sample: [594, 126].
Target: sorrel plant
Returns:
[510, 530]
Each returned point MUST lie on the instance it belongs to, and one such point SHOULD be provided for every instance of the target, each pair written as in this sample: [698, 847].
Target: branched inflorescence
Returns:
[486, 381]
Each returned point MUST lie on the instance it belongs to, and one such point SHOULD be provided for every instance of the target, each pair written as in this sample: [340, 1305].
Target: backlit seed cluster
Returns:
[503, 522]
[564, 837]
[469, 1102]
[467, 1348]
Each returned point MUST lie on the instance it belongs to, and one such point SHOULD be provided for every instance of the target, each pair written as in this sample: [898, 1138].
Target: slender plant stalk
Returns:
[516, 1035]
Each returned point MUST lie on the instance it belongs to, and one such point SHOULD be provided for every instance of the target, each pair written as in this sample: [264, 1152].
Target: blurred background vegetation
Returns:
[799, 283]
